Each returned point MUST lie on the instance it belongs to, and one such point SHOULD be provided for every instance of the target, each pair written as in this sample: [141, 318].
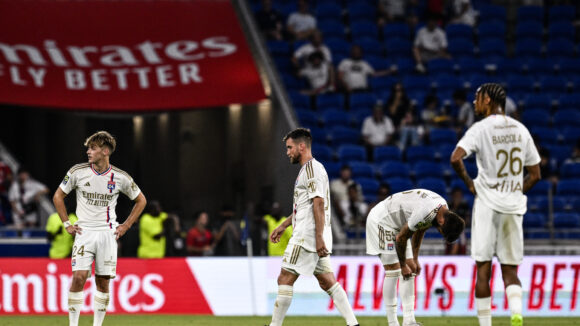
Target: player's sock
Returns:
[283, 301]
[340, 299]
[407, 292]
[390, 295]
[484, 311]
[75, 303]
[100, 304]
[514, 296]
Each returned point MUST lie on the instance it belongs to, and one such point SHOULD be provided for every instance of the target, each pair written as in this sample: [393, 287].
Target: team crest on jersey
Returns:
[111, 183]
[74, 262]
[390, 246]
[312, 186]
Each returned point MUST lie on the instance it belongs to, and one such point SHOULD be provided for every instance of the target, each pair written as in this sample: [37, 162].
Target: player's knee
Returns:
[78, 280]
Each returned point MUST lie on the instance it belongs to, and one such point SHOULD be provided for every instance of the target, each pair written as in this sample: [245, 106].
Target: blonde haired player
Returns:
[309, 247]
[97, 185]
[504, 147]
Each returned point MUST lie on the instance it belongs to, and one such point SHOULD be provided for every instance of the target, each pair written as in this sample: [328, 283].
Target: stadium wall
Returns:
[242, 286]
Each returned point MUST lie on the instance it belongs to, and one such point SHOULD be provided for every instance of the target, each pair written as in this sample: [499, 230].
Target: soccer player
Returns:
[395, 230]
[503, 147]
[309, 247]
[97, 185]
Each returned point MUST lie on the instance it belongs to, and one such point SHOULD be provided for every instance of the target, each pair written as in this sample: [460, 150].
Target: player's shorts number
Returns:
[514, 162]
[385, 235]
[81, 251]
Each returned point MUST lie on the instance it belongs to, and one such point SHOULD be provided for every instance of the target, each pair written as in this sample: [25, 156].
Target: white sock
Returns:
[407, 292]
[100, 304]
[75, 303]
[282, 304]
[390, 295]
[340, 299]
[484, 311]
[514, 296]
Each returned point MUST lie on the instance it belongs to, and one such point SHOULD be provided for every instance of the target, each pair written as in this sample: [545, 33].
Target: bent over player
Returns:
[97, 185]
[503, 146]
[309, 247]
[395, 230]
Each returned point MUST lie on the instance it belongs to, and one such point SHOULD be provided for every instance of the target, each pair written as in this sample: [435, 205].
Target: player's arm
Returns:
[318, 208]
[277, 233]
[401, 247]
[457, 164]
[532, 177]
[58, 201]
[416, 241]
[138, 207]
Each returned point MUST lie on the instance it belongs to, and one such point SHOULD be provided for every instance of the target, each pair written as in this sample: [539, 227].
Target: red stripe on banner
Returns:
[90, 55]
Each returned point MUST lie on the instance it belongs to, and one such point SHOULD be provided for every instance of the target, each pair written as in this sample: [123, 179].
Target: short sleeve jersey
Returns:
[317, 76]
[312, 182]
[504, 147]
[435, 40]
[97, 194]
[417, 207]
[301, 22]
[355, 72]
[307, 49]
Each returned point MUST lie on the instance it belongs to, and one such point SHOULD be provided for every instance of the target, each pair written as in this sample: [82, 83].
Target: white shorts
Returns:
[496, 233]
[97, 246]
[300, 261]
[381, 242]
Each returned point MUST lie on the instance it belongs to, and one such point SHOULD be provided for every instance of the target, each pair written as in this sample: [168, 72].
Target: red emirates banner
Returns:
[124, 55]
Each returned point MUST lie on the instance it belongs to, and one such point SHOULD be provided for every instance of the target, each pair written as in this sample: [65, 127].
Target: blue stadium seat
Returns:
[399, 30]
[471, 169]
[386, 153]
[399, 184]
[534, 220]
[455, 31]
[383, 83]
[491, 29]
[519, 83]
[343, 136]
[492, 47]
[362, 100]
[470, 66]
[322, 152]
[560, 153]
[546, 135]
[360, 114]
[570, 135]
[332, 169]
[362, 29]
[299, 100]
[560, 13]
[347, 153]
[335, 117]
[529, 47]
[553, 84]
[329, 101]
[360, 11]
[370, 45]
[440, 137]
[278, 47]
[338, 45]
[293, 83]
[458, 183]
[419, 153]
[441, 66]
[398, 48]
[541, 188]
[378, 62]
[446, 83]
[530, 13]
[492, 12]
[331, 28]
[328, 10]
[405, 65]
[567, 118]
[566, 220]
[369, 186]
[558, 204]
[537, 101]
[536, 66]
[569, 67]
[568, 187]
[307, 117]
[394, 169]
[434, 184]
[443, 152]
[361, 169]
[319, 135]
[560, 48]
[461, 48]
[414, 82]
[570, 171]
[428, 169]
[531, 29]
[536, 118]
[569, 101]
[561, 29]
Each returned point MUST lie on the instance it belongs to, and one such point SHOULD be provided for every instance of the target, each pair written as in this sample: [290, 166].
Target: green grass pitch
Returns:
[178, 320]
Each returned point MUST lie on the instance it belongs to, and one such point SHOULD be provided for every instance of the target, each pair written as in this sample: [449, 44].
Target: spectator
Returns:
[200, 241]
[377, 130]
[339, 191]
[174, 236]
[461, 207]
[270, 21]
[391, 11]
[463, 13]
[466, 114]
[273, 220]
[228, 238]
[430, 43]
[24, 196]
[354, 208]
[403, 116]
[546, 170]
[319, 73]
[575, 158]
[316, 44]
[430, 111]
[151, 232]
[301, 24]
[5, 182]
[382, 193]
[353, 71]
[61, 242]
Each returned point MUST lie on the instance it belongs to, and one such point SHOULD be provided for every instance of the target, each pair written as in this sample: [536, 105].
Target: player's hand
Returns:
[418, 267]
[74, 229]
[276, 234]
[406, 272]
[120, 231]
[471, 188]
[321, 247]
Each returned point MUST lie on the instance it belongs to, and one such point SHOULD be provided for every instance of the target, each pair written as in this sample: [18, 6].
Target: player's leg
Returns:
[81, 260]
[392, 272]
[328, 283]
[105, 269]
[510, 254]
[483, 246]
[407, 291]
[288, 275]
[76, 295]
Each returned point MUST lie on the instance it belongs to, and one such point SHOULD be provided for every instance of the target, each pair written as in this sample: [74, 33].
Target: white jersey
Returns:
[355, 72]
[312, 181]
[503, 146]
[417, 207]
[97, 194]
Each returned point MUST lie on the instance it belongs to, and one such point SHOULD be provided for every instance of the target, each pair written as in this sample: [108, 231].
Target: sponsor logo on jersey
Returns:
[312, 186]
[65, 180]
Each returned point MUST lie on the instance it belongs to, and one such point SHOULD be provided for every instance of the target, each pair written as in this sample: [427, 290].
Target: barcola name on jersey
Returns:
[506, 139]
[97, 199]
